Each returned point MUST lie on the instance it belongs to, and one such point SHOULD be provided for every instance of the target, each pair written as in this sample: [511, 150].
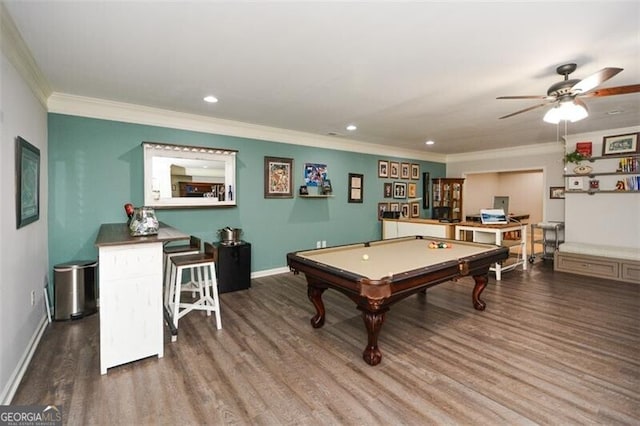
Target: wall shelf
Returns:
[602, 174]
[601, 191]
[315, 196]
[627, 155]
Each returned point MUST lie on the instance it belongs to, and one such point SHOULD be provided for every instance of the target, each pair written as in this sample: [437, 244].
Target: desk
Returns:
[514, 217]
[494, 234]
[130, 274]
[396, 268]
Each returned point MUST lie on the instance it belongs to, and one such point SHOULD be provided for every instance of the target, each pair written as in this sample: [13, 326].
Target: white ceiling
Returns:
[404, 72]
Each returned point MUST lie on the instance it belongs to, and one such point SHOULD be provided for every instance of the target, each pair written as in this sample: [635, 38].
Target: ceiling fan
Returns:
[566, 94]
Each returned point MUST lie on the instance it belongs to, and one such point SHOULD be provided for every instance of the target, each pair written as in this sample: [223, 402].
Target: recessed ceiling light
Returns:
[429, 142]
[352, 127]
[614, 112]
[211, 99]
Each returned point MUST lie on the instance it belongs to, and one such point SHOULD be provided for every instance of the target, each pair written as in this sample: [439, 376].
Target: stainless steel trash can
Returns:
[75, 289]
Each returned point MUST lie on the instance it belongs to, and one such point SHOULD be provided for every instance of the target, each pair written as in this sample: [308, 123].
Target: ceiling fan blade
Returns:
[524, 110]
[610, 91]
[521, 97]
[594, 80]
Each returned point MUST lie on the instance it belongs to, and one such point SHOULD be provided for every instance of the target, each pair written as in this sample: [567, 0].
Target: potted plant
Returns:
[577, 158]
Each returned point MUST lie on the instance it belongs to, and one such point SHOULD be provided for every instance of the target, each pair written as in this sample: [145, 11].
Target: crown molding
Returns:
[518, 151]
[62, 103]
[18, 53]
[599, 134]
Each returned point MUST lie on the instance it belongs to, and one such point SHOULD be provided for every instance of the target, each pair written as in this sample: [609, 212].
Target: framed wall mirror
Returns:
[178, 176]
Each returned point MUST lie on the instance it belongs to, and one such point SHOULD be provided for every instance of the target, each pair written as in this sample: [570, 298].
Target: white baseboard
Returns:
[268, 272]
[12, 385]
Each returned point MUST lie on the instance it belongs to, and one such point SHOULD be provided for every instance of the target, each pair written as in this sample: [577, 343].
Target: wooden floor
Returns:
[551, 348]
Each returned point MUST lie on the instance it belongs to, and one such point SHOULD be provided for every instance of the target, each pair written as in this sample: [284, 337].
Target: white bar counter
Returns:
[394, 228]
[130, 277]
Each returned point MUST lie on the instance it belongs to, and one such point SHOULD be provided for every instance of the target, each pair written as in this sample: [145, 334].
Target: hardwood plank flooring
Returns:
[551, 348]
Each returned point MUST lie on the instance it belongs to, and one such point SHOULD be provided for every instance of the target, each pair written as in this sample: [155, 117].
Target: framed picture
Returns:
[325, 187]
[415, 171]
[383, 169]
[278, 177]
[399, 190]
[575, 183]
[556, 192]
[382, 207]
[415, 209]
[620, 144]
[412, 189]
[388, 190]
[315, 174]
[27, 183]
[425, 190]
[405, 171]
[394, 207]
[404, 209]
[394, 170]
[355, 187]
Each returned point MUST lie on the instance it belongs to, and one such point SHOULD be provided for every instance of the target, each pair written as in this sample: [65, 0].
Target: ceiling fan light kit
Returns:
[566, 111]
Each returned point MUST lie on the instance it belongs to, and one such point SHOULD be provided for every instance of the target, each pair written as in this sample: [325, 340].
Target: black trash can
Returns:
[75, 290]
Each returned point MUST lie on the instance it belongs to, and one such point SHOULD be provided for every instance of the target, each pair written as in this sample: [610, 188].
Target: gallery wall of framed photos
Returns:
[399, 189]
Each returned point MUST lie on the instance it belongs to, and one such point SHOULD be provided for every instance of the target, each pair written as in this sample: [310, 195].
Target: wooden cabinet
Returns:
[447, 198]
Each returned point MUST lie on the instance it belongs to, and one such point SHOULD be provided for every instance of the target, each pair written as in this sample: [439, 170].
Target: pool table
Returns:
[377, 274]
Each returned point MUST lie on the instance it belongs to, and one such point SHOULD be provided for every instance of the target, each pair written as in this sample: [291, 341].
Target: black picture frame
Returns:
[425, 190]
[556, 192]
[618, 145]
[27, 183]
[356, 188]
[400, 190]
[388, 190]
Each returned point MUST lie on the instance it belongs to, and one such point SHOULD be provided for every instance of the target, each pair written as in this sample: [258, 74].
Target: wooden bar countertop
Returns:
[112, 234]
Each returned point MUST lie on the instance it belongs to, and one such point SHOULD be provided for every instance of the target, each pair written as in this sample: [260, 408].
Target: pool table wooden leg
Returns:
[373, 322]
[481, 283]
[315, 296]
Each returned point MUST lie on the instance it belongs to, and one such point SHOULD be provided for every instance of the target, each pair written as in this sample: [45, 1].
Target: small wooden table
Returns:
[131, 306]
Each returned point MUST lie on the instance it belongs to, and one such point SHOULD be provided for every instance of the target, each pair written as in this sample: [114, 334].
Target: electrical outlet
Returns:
[318, 244]
[324, 243]
[33, 297]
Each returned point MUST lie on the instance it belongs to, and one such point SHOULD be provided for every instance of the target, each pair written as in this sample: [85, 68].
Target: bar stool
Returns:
[206, 286]
[169, 251]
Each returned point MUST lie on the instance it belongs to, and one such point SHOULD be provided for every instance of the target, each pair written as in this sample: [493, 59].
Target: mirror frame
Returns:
[153, 150]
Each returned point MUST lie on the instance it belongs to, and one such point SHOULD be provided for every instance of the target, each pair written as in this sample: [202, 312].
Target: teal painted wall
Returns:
[96, 166]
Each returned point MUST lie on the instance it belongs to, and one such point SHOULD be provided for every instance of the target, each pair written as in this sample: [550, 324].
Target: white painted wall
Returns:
[480, 188]
[546, 157]
[608, 219]
[23, 252]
